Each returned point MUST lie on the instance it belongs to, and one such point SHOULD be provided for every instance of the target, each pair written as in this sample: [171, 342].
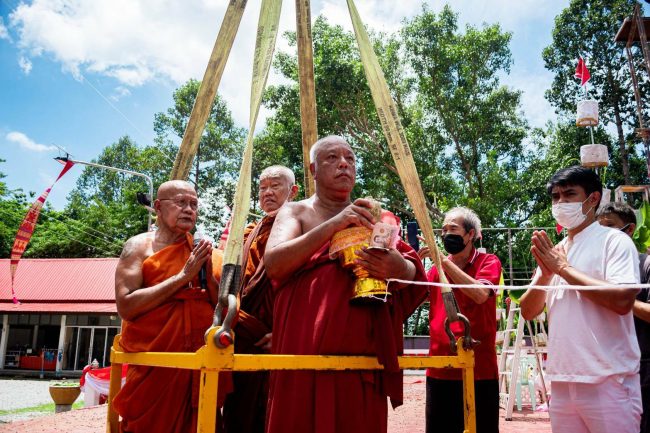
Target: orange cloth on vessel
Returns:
[158, 399]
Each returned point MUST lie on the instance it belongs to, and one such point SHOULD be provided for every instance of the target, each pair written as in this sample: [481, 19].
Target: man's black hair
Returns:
[621, 210]
[576, 176]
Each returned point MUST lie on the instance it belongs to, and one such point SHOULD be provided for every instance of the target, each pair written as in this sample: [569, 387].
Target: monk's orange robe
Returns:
[156, 399]
[245, 408]
[313, 316]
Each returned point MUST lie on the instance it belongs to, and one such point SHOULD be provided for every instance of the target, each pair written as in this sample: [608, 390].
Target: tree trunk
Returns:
[621, 144]
[619, 129]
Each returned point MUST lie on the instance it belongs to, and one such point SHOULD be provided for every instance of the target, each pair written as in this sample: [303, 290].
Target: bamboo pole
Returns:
[400, 150]
[267, 31]
[307, 88]
[208, 90]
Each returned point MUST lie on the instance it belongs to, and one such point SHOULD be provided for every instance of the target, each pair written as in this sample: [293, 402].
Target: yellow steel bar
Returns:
[469, 398]
[307, 88]
[192, 361]
[113, 388]
[208, 401]
[242, 362]
[211, 360]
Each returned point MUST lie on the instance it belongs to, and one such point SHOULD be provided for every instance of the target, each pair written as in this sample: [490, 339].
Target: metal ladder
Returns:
[507, 388]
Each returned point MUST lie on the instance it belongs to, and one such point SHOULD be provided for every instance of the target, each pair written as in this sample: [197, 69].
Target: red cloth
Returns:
[245, 408]
[103, 374]
[313, 316]
[485, 268]
[582, 73]
[163, 399]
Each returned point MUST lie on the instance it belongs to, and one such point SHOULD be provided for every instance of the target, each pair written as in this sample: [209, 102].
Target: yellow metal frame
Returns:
[211, 360]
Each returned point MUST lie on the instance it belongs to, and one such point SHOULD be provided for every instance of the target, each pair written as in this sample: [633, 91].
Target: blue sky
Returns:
[81, 74]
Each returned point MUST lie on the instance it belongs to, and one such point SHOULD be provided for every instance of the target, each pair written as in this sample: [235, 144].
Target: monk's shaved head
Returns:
[275, 171]
[323, 143]
[173, 187]
[277, 186]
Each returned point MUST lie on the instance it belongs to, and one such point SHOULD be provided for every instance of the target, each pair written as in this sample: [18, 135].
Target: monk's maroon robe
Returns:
[313, 316]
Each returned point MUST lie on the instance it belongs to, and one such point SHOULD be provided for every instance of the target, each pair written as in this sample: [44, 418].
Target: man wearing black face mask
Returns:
[464, 265]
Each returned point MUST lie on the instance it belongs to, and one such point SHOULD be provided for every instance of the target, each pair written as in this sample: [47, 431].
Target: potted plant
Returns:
[64, 394]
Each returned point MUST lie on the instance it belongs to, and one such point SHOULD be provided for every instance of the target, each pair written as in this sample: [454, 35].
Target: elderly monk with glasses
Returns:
[164, 309]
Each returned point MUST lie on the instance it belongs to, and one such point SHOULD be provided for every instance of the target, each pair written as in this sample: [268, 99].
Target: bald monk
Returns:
[164, 309]
[245, 408]
[312, 313]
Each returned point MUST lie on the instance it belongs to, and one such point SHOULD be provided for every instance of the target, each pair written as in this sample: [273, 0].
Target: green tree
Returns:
[587, 28]
[474, 123]
[12, 211]
[344, 107]
[221, 145]
[219, 154]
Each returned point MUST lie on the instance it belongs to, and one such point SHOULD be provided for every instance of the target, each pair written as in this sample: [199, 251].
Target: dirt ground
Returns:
[408, 418]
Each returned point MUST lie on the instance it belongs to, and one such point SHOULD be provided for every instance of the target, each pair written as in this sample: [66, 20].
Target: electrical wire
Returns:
[68, 236]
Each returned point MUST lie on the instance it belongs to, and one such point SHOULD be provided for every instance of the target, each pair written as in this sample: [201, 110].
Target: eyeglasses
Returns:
[182, 203]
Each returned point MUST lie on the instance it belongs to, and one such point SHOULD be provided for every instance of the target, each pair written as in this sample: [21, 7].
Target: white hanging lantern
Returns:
[587, 113]
[594, 155]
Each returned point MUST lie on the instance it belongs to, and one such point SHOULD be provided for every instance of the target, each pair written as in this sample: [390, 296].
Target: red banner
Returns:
[26, 229]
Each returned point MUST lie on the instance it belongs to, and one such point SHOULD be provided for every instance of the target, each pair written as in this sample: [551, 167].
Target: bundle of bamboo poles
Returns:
[386, 110]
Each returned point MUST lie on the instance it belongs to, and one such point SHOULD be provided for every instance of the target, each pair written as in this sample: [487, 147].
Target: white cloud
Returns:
[25, 64]
[119, 93]
[4, 33]
[27, 143]
[136, 42]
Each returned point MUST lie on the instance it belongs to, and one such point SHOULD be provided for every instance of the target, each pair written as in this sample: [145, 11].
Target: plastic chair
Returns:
[527, 366]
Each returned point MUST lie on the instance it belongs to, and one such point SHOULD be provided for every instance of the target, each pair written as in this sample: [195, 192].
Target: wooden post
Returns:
[307, 88]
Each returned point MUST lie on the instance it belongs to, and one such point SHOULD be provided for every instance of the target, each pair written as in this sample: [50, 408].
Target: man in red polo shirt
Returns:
[464, 265]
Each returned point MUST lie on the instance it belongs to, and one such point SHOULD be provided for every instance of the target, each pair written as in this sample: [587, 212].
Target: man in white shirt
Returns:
[593, 354]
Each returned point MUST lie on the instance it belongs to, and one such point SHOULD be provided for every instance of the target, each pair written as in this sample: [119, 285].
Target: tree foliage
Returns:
[464, 127]
[587, 28]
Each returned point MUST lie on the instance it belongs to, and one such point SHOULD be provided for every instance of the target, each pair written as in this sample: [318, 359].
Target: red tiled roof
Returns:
[60, 281]
[55, 307]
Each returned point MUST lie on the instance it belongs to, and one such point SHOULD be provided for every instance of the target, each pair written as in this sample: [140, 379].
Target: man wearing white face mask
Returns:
[593, 354]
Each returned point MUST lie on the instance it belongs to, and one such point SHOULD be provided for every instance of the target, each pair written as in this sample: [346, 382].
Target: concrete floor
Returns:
[408, 418]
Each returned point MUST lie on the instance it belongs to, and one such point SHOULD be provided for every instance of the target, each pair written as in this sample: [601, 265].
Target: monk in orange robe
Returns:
[164, 309]
[245, 408]
[312, 313]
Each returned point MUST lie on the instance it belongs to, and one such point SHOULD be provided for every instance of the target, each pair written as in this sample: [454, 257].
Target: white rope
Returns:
[526, 286]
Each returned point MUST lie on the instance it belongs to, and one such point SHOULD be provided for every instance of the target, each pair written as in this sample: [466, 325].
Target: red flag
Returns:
[26, 230]
[582, 73]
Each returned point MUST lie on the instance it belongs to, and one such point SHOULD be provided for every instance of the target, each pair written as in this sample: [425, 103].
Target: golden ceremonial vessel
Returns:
[344, 244]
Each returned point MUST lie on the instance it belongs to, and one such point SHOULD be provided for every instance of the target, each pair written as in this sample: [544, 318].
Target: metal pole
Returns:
[121, 170]
[510, 254]
[638, 23]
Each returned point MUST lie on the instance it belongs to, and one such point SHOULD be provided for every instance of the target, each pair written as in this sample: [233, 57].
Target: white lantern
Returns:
[587, 113]
[594, 155]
